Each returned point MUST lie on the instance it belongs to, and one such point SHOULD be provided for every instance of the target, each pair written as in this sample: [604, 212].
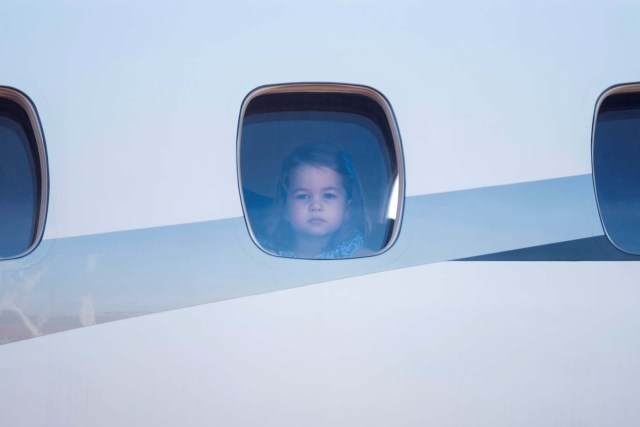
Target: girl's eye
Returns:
[301, 196]
[329, 196]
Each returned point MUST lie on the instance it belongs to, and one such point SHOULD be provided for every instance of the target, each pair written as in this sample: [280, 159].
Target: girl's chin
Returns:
[311, 234]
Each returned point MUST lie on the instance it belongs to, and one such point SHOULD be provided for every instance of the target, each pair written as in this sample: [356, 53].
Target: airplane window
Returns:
[616, 156]
[321, 171]
[22, 176]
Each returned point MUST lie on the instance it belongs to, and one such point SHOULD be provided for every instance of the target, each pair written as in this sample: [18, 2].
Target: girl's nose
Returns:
[315, 205]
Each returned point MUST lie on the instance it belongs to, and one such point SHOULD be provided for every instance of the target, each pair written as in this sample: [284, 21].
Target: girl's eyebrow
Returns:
[296, 189]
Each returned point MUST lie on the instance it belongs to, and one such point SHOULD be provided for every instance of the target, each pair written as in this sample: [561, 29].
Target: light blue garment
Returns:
[345, 249]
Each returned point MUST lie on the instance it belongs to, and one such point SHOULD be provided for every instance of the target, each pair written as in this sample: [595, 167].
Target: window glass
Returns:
[20, 182]
[616, 156]
[317, 172]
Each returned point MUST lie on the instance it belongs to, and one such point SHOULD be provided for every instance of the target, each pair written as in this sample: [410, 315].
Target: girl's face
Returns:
[316, 201]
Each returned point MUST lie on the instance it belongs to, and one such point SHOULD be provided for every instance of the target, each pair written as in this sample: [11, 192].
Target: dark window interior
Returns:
[20, 181]
[616, 162]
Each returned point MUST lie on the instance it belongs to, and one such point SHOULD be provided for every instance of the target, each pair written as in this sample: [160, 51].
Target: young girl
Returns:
[318, 211]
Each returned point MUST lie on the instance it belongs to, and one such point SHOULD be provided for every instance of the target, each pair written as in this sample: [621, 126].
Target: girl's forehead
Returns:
[315, 175]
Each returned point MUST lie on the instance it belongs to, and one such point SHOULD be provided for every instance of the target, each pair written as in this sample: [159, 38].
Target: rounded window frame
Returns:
[34, 131]
[398, 190]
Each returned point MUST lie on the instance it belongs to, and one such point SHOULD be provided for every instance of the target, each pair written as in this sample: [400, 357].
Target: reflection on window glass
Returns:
[18, 189]
[318, 181]
[616, 169]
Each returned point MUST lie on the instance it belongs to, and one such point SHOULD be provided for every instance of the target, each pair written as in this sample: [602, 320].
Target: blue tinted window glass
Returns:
[617, 175]
[18, 189]
[280, 149]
